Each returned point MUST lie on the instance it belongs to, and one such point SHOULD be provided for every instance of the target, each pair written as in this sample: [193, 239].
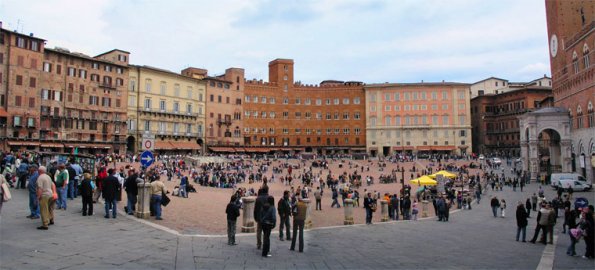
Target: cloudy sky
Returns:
[372, 41]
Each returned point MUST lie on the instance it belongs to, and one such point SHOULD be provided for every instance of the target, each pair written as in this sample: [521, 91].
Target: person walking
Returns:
[131, 187]
[335, 198]
[528, 207]
[369, 204]
[589, 225]
[233, 212]
[394, 202]
[542, 222]
[32, 187]
[87, 188]
[414, 210]
[111, 188]
[494, 203]
[318, 197]
[299, 220]
[2, 182]
[502, 208]
[61, 180]
[534, 202]
[46, 191]
[183, 184]
[261, 199]
[284, 209]
[157, 191]
[268, 220]
[521, 221]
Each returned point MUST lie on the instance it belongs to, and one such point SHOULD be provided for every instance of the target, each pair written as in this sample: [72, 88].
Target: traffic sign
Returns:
[147, 158]
[148, 144]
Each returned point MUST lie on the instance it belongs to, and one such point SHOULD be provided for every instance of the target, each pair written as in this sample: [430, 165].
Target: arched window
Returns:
[579, 117]
[575, 62]
[586, 58]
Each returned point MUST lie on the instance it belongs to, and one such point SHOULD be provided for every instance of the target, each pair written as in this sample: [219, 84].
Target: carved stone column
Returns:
[348, 210]
[384, 211]
[248, 225]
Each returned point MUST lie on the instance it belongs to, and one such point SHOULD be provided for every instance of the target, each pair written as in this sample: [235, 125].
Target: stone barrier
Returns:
[384, 211]
[348, 210]
[248, 225]
[143, 201]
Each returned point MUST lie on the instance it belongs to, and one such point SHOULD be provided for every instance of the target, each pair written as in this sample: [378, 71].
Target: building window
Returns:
[147, 103]
[148, 85]
[356, 100]
[444, 95]
[319, 102]
[162, 88]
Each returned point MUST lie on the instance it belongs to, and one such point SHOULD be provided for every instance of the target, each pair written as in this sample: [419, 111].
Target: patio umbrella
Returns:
[423, 181]
[446, 174]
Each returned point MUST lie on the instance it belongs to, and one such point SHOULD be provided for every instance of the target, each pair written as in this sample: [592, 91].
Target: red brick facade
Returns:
[284, 116]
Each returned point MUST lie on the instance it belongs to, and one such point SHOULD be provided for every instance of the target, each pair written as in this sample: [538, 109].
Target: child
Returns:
[575, 236]
[414, 210]
[503, 207]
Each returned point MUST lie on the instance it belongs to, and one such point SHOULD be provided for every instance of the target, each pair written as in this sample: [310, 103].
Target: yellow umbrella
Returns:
[444, 173]
[423, 181]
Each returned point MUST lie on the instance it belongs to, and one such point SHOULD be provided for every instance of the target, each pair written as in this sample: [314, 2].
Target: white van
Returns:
[557, 177]
[575, 185]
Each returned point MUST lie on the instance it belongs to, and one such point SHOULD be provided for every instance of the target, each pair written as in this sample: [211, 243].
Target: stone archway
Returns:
[130, 144]
[545, 141]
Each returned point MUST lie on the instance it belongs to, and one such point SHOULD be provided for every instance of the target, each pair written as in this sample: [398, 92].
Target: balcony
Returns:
[107, 85]
[226, 122]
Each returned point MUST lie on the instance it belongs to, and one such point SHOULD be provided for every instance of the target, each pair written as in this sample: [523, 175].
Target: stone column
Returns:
[348, 209]
[143, 201]
[308, 222]
[424, 208]
[384, 211]
[248, 225]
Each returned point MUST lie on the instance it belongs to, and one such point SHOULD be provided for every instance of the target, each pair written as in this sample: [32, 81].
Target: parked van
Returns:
[572, 177]
[575, 185]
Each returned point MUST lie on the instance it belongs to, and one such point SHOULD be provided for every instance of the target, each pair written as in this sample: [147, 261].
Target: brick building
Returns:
[57, 100]
[285, 116]
[168, 107]
[224, 94]
[494, 86]
[571, 32]
[495, 122]
[422, 118]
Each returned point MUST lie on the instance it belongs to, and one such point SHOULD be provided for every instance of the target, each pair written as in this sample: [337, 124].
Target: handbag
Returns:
[164, 199]
[6, 196]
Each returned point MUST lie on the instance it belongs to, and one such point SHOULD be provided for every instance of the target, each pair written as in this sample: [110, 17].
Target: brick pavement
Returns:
[471, 240]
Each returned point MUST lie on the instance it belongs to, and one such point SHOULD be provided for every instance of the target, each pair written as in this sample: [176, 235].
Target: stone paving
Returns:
[472, 239]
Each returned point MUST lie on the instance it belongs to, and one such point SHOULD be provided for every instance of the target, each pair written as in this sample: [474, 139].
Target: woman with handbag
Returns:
[157, 192]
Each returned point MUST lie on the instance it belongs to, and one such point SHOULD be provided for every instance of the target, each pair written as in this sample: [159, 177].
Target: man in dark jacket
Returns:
[71, 192]
[521, 221]
[87, 194]
[131, 191]
[284, 209]
[233, 212]
[263, 194]
[394, 203]
[406, 207]
[368, 202]
[111, 188]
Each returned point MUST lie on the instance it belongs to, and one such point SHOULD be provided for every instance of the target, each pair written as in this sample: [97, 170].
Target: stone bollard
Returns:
[308, 222]
[384, 211]
[424, 208]
[143, 201]
[348, 209]
[248, 225]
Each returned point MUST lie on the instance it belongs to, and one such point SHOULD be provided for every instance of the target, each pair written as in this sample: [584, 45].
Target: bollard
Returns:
[308, 222]
[384, 211]
[348, 210]
[248, 225]
[424, 208]
[143, 201]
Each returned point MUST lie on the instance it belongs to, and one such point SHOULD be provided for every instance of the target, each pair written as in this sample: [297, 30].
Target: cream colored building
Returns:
[167, 106]
[430, 118]
[494, 86]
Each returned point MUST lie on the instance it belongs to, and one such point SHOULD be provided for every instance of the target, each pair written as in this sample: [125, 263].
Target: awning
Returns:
[239, 149]
[222, 149]
[401, 148]
[163, 145]
[52, 145]
[185, 145]
[358, 149]
[443, 147]
[24, 143]
[258, 150]
[88, 145]
[3, 113]
[423, 148]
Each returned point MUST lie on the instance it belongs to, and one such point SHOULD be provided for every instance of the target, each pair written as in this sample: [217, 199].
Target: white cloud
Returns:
[371, 41]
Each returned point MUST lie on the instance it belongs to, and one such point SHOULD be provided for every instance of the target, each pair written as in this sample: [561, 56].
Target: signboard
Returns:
[147, 158]
[148, 144]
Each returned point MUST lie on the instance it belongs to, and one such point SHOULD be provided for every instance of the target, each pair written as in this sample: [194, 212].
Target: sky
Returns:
[371, 41]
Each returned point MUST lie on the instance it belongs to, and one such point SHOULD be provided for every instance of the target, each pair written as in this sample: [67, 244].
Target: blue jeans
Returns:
[33, 204]
[156, 201]
[70, 190]
[571, 248]
[518, 232]
[495, 211]
[368, 216]
[75, 189]
[113, 204]
[183, 192]
[61, 203]
[131, 206]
